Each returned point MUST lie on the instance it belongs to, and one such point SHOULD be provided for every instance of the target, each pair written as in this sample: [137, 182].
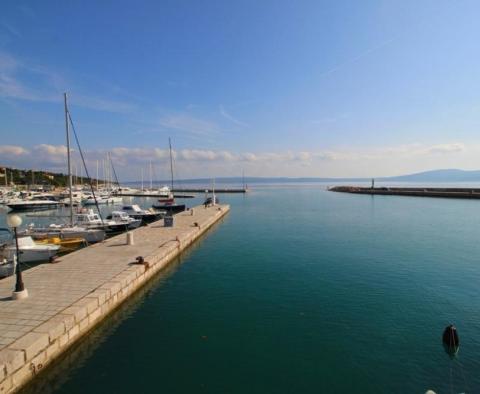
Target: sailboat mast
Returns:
[97, 175]
[171, 161]
[151, 181]
[69, 164]
[142, 178]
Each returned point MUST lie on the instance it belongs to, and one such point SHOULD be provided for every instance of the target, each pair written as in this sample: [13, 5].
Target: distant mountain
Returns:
[447, 175]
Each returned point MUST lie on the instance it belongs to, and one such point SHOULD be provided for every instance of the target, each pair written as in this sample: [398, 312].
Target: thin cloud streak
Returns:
[228, 116]
[12, 86]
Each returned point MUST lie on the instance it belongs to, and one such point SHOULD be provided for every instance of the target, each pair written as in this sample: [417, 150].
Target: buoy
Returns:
[450, 339]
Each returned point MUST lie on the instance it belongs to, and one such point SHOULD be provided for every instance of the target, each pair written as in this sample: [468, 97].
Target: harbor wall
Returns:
[23, 359]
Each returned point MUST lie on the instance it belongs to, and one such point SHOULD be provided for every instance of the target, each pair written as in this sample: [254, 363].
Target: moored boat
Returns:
[65, 232]
[121, 217]
[30, 252]
[146, 216]
[35, 203]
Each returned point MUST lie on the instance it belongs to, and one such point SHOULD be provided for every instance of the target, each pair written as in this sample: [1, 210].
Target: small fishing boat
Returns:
[66, 245]
[66, 232]
[30, 252]
[146, 216]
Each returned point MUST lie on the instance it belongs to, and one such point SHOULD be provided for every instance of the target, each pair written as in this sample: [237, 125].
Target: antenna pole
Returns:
[69, 164]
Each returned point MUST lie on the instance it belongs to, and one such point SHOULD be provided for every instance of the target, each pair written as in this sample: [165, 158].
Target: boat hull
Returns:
[32, 207]
[172, 208]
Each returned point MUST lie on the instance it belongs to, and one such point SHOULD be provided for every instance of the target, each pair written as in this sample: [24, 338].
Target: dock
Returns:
[446, 192]
[68, 298]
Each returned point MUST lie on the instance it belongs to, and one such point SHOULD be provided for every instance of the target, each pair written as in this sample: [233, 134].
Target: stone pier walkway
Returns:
[68, 298]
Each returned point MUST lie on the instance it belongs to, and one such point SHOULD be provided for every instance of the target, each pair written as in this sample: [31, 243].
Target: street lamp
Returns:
[20, 291]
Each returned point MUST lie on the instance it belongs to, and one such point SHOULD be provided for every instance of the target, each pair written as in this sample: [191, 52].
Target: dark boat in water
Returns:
[169, 206]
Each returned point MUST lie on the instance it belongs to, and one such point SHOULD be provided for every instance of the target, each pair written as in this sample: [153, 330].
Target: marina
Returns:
[66, 299]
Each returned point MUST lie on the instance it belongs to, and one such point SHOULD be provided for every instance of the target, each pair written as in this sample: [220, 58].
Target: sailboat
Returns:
[168, 204]
[67, 231]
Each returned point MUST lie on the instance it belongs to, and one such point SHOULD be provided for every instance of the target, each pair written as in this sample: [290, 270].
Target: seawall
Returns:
[68, 298]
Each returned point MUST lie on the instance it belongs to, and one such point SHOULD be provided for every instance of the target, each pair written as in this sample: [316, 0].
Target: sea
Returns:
[298, 290]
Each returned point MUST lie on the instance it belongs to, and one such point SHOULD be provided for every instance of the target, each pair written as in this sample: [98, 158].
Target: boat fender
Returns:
[450, 339]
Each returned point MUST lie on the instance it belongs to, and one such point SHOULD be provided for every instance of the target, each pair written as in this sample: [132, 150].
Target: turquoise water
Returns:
[300, 290]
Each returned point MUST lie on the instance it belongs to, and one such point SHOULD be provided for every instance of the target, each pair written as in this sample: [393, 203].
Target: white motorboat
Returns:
[92, 220]
[121, 217]
[77, 198]
[114, 199]
[144, 215]
[30, 252]
[89, 200]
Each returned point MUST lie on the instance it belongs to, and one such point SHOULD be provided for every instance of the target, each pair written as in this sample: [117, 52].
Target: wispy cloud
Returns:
[52, 85]
[10, 29]
[357, 57]
[228, 116]
[187, 123]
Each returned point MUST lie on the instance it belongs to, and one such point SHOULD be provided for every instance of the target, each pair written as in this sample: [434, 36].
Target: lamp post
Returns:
[20, 291]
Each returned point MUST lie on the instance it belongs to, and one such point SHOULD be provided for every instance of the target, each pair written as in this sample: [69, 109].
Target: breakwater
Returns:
[178, 193]
[447, 192]
[70, 297]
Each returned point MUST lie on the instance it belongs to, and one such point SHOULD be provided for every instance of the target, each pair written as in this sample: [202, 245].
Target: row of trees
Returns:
[16, 176]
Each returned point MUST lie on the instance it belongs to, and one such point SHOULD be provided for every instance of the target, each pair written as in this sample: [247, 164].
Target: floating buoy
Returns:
[450, 340]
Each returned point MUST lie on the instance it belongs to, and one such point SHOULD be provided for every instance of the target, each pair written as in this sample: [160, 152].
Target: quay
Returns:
[447, 192]
[68, 298]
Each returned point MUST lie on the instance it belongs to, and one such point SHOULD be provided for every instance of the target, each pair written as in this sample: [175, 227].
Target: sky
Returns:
[269, 88]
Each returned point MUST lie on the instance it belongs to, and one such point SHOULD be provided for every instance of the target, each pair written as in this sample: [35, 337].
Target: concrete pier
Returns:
[444, 192]
[68, 298]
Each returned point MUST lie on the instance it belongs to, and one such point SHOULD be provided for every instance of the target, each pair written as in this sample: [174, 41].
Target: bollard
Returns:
[130, 239]
[191, 211]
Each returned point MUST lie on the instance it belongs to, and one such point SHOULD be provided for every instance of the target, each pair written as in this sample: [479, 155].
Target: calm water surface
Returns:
[300, 290]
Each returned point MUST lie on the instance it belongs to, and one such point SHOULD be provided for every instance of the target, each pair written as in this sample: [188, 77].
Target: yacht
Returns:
[35, 203]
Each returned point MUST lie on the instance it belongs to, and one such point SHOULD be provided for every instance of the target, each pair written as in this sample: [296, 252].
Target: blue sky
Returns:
[295, 88]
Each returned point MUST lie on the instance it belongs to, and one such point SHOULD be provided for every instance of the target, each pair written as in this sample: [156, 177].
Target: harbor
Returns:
[443, 192]
[68, 298]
